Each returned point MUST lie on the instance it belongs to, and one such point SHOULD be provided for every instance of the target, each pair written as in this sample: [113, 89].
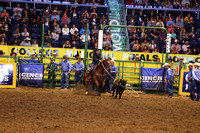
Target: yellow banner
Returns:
[26, 51]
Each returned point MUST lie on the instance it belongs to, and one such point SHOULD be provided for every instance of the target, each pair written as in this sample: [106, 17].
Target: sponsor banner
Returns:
[31, 75]
[116, 55]
[152, 78]
[7, 75]
[184, 88]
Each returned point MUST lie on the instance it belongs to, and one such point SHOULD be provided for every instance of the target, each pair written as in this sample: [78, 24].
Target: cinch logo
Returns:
[32, 76]
[155, 78]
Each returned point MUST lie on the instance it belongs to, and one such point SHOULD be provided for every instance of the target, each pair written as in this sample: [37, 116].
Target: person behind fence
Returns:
[78, 67]
[33, 56]
[66, 69]
[52, 69]
[189, 80]
[96, 59]
[195, 82]
[113, 73]
[169, 79]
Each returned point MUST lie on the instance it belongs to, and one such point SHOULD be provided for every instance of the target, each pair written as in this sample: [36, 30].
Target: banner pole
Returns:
[42, 43]
[86, 47]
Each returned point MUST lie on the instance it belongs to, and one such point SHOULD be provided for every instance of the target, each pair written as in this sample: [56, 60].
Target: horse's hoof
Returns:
[86, 92]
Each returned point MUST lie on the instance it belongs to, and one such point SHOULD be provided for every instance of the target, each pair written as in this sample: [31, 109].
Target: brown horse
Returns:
[98, 77]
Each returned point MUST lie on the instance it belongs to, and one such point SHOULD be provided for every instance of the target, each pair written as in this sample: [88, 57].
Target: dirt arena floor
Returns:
[55, 110]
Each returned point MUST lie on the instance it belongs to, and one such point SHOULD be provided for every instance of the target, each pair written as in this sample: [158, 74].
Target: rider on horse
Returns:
[96, 59]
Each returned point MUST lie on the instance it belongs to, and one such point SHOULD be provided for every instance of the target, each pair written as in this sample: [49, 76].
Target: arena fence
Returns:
[128, 70]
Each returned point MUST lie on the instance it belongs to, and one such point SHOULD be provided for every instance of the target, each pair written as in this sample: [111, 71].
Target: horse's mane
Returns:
[100, 64]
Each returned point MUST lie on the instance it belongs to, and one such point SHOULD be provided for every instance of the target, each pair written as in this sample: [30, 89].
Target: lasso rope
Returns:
[120, 83]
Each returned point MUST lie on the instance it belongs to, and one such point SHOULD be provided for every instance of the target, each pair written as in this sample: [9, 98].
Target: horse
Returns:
[98, 77]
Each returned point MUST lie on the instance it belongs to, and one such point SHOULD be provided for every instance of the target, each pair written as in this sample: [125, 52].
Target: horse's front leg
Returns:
[97, 86]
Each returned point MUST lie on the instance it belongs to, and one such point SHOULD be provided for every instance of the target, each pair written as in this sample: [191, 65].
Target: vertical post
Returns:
[42, 43]
[122, 69]
[86, 47]
[140, 73]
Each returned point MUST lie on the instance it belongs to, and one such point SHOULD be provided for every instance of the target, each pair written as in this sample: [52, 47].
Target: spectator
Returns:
[74, 46]
[195, 52]
[94, 30]
[57, 28]
[17, 13]
[75, 38]
[145, 49]
[4, 13]
[82, 38]
[35, 16]
[2, 41]
[107, 47]
[16, 21]
[95, 46]
[55, 16]
[93, 13]
[34, 44]
[156, 50]
[169, 6]
[152, 46]
[173, 35]
[174, 51]
[188, 19]
[189, 51]
[169, 22]
[46, 15]
[160, 23]
[26, 42]
[105, 41]
[47, 36]
[73, 29]
[2, 32]
[25, 33]
[17, 8]
[15, 42]
[183, 40]
[86, 14]
[54, 23]
[74, 14]
[55, 35]
[16, 32]
[185, 47]
[162, 36]
[108, 36]
[176, 45]
[83, 30]
[65, 30]
[65, 19]
[185, 2]
[26, 14]
[66, 44]
[47, 23]
[136, 46]
[103, 19]
[179, 23]
[154, 35]
[93, 20]
[94, 37]
[145, 43]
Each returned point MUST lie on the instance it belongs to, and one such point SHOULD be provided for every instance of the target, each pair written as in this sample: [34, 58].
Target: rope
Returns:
[120, 83]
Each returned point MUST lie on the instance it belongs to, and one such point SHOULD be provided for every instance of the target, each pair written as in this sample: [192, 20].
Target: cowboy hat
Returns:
[52, 58]
[176, 40]
[65, 56]
[33, 53]
[196, 64]
[166, 64]
[190, 64]
[112, 61]
[27, 38]
[54, 11]
[54, 53]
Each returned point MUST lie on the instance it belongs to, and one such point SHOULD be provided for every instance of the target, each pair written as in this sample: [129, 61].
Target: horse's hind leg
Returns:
[117, 91]
[113, 92]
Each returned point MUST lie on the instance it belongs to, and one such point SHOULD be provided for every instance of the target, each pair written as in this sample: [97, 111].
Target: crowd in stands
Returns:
[63, 27]
[183, 26]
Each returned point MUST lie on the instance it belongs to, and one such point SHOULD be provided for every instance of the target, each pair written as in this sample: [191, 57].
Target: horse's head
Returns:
[106, 63]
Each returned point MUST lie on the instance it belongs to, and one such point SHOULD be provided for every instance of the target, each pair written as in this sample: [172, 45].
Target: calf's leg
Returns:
[117, 91]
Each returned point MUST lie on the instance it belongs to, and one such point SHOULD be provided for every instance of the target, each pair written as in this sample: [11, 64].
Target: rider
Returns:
[96, 59]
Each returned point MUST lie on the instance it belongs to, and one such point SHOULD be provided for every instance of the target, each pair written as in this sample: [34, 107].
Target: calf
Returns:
[119, 86]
